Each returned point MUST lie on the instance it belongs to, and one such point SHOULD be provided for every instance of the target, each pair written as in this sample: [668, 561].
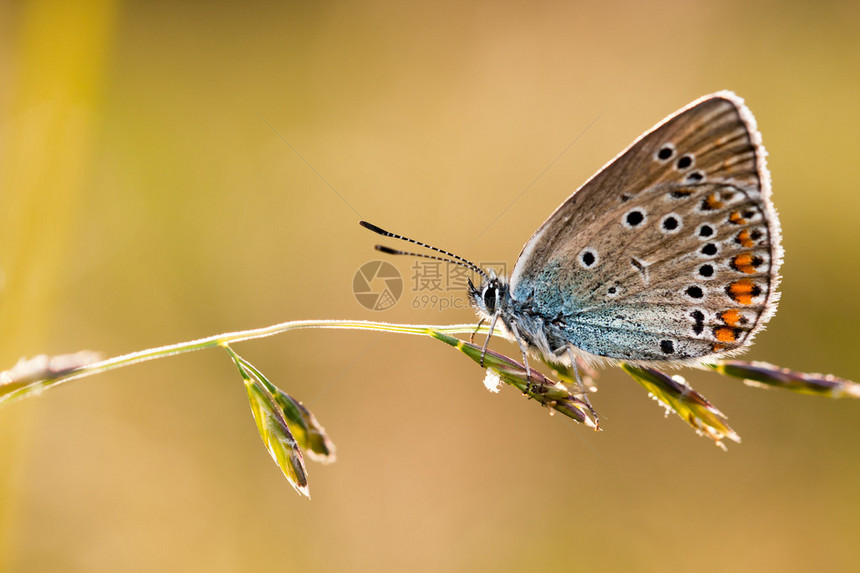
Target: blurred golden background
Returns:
[170, 170]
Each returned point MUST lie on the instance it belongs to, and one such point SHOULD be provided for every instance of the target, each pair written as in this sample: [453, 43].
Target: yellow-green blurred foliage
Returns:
[151, 194]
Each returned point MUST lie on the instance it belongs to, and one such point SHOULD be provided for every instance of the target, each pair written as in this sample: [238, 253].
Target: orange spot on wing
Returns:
[743, 291]
[730, 317]
[744, 239]
[713, 202]
[725, 334]
[736, 218]
[744, 263]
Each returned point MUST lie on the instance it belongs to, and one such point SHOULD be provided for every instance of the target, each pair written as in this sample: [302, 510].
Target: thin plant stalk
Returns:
[288, 428]
[34, 378]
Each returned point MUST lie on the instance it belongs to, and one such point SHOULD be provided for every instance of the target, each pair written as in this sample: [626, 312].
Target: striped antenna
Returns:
[454, 258]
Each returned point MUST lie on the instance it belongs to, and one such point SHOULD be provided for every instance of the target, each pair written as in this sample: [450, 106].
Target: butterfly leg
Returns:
[477, 328]
[487, 341]
[582, 390]
[525, 352]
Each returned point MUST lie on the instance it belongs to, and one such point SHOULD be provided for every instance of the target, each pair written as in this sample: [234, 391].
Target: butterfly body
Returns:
[669, 254]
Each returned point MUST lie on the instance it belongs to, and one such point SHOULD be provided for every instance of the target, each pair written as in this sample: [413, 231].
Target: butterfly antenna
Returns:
[454, 258]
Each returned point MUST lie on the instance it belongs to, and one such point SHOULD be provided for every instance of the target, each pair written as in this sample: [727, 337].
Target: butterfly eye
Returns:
[490, 299]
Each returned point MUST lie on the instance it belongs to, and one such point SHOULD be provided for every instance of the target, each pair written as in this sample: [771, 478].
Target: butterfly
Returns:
[669, 254]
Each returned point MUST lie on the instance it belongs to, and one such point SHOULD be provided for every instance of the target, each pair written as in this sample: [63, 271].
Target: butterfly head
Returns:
[489, 298]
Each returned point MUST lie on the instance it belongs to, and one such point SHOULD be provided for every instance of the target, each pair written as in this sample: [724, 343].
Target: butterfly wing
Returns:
[670, 252]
